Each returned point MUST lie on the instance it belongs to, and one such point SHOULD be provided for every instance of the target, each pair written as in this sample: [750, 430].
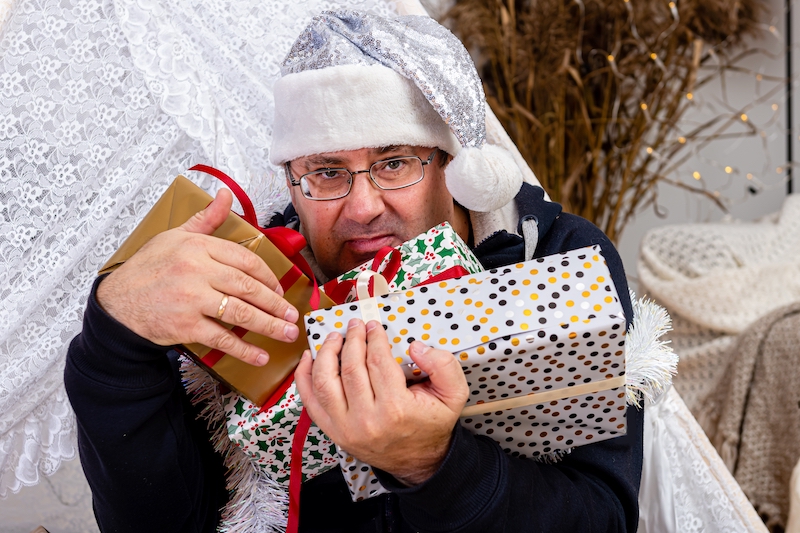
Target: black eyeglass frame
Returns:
[299, 181]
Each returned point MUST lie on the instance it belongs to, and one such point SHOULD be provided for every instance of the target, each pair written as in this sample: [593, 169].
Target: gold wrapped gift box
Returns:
[182, 200]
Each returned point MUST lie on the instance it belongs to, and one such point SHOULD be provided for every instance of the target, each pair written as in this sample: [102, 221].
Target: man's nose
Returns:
[365, 201]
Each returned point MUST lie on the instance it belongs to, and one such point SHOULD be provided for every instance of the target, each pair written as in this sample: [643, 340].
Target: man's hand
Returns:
[362, 402]
[171, 288]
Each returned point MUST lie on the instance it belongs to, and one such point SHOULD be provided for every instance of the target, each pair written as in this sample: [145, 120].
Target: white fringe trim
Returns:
[257, 503]
[649, 362]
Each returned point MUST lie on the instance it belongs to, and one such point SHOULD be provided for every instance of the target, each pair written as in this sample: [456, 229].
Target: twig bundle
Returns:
[591, 91]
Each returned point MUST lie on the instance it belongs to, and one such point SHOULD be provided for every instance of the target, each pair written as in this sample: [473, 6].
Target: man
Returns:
[380, 127]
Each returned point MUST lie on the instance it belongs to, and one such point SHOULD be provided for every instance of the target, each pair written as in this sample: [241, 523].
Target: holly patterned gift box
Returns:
[439, 251]
[541, 344]
[266, 436]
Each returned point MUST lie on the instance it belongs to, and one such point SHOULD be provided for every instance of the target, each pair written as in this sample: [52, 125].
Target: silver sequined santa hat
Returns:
[354, 80]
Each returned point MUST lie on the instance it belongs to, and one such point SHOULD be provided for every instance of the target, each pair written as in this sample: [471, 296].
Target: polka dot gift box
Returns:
[542, 344]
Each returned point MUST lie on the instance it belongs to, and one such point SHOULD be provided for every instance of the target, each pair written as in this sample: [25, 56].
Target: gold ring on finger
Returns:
[222, 305]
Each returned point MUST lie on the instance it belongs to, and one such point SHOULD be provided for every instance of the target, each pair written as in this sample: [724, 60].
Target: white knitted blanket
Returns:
[716, 280]
[725, 276]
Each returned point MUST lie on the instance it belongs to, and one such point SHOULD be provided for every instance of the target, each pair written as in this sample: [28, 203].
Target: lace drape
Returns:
[686, 487]
[102, 103]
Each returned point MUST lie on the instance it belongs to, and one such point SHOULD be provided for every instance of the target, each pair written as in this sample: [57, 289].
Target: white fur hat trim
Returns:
[349, 107]
[483, 179]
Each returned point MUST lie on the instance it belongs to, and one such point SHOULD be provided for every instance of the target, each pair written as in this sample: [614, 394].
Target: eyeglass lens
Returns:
[392, 173]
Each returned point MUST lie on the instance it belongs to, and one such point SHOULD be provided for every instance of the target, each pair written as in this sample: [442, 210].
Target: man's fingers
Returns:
[246, 262]
[303, 378]
[209, 219]
[219, 338]
[241, 313]
[355, 378]
[447, 380]
[229, 280]
[385, 374]
[325, 380]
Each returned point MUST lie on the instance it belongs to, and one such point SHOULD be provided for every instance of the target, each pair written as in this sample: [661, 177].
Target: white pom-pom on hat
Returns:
[483, 179]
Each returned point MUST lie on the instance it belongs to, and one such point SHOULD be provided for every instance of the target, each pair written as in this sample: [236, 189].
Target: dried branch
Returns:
[592, 91]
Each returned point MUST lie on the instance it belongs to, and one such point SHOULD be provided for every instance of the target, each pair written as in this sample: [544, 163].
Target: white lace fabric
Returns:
[102, 103]
[686, 487]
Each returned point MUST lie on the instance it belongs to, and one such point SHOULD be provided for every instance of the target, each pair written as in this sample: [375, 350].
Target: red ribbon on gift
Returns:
[339, 290]
[455, 271]
[296, 471]
[288, 241]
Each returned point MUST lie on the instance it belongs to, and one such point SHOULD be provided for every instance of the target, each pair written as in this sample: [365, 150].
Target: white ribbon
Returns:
[541, 397]
[369, 304]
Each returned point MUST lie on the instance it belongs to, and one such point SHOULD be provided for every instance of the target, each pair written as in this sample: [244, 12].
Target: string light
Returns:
[749, 176]
[759, 77]
[653, 56]
[689, 96]
[643, 106]
[696, 175]
[610, 58]
[779, 170]
[672, 5]
[728, 170]
[774, 107]
[682, 140]
[743, 116]
[649, 149]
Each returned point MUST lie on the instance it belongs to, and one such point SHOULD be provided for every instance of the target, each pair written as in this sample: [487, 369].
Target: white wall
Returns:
[760, 155]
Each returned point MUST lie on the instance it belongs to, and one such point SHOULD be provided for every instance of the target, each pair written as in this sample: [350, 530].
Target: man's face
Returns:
[347, 232]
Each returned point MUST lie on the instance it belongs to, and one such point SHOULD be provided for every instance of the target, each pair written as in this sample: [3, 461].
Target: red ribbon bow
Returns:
[339, 290]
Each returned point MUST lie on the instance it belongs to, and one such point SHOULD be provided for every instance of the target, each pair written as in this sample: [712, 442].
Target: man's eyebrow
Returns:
[404, 148]
[321, 161]
[324, 160]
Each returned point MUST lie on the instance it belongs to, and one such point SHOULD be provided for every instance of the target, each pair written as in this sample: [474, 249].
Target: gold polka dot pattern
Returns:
[360, 478]
[548, 324]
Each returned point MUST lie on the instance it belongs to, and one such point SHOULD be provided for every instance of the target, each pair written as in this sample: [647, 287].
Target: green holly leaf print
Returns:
[263, 445]
[280, 456]
[312, 440]
[315, 454]
[413, 262]
[245, 434]
[278, 416]
[240, 407]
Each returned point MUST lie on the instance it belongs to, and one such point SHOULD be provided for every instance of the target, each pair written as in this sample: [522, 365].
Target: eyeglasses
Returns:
[386, 174]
